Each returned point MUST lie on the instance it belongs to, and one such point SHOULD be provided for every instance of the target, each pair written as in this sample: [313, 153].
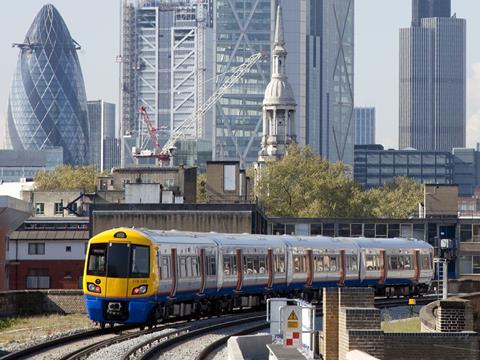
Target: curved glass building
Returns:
[47, 105]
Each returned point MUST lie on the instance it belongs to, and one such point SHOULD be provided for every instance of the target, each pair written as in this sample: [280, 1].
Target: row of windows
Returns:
[39, 248]
[57, 208]
[352, 230]
[257, 264]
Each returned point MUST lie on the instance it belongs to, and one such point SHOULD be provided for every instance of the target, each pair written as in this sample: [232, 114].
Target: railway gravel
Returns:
[118, 350]
[191, 349]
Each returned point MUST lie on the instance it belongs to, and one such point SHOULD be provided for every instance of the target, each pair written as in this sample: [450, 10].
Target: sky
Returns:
[95, 25]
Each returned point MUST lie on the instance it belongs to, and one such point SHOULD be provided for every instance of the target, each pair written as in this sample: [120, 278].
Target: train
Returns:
[144, 276]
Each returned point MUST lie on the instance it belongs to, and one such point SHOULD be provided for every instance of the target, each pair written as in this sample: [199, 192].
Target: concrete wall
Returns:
[26, 303]
[441, 200]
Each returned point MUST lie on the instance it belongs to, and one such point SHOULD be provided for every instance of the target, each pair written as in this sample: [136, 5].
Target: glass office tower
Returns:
[47, 105]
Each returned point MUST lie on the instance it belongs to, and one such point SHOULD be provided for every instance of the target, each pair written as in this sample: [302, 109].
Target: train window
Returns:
[318, 263]
[118, 260]
[394, 262]
[426, 262]
[280, 263]
[333, 263]
[139, 261]
[407, 265]
[183, 267]
[326, 263]
[188, 266]
[372, 262]
[262, 263]
[211, 266]
[96, 260]
[249, 265]
[165, 268]
[352, 263]
[195, 266]
[229, 265]
[299, 263]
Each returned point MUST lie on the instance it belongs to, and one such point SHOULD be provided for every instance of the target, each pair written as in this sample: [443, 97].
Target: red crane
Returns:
[157, 152]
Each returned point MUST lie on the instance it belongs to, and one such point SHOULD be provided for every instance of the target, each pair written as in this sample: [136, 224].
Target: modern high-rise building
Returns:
[104, 149]
[422, 9]
[242, 29]
[164, 69]
[364, 125]
[47, 105]
[432, 109]
[320, 41]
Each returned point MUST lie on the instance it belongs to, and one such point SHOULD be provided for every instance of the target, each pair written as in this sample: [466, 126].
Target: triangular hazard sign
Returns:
[292, 316]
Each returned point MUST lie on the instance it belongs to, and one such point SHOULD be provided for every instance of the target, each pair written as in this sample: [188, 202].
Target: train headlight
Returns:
[139, 290]
[94, 288]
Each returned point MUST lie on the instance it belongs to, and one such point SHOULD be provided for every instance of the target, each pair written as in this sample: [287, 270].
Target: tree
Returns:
[67, 177]
[398, 199]
[303, 184]
[201, 188]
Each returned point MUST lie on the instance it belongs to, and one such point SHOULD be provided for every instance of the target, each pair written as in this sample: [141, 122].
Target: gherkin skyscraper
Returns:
[47, 105]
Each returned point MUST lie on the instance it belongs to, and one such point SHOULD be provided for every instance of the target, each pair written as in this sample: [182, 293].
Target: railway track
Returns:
[209, 351]
[154, 347]
[169, 338]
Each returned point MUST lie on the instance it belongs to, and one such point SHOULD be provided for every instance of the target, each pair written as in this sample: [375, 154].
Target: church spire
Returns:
[278, 103]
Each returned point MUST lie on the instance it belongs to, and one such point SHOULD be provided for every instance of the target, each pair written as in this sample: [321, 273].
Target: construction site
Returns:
[169, 86]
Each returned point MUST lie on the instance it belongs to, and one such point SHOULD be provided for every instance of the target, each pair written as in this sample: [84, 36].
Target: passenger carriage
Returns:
[141, 275]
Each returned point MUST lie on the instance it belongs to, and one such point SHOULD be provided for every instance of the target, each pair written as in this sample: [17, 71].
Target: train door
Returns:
[270, 268]
[383, 267]
[238, 256]
[416, 263]
[96, 270]
[343, 268]
[174, 269]
[203, 276]
[309, 265]
[118, 264]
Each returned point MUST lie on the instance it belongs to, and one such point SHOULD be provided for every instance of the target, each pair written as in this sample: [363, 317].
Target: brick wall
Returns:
[56, 269]
[329, 347]
[359, 329]
[427, 346]
[454, 315]
[357, 297]
[31, 302]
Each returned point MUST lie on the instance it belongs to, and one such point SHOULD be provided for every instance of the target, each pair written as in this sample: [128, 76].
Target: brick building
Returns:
[47, 253]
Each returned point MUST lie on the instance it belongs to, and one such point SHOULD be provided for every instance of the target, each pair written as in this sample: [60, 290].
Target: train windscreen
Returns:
[119, 260]
[97, 260]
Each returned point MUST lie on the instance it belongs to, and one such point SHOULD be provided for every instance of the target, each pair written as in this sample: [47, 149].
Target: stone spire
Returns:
[278, 103]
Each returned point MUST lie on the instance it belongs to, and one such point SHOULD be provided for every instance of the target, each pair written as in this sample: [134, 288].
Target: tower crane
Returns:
[166, 153]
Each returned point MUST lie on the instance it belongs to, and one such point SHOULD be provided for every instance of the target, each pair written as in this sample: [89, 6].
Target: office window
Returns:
[356, 230]
[380, 230]
[36, 248]
[329, 229]
[316, 229]
[68, 249]
[344, 230]
[465, 232]
[393, 230]
[58, 208]
[39, 208]
[369, 230]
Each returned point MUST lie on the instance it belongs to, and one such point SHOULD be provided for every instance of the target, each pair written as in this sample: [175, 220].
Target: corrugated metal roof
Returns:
[49, 235]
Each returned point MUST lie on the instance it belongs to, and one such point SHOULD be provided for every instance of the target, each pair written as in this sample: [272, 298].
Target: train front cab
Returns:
[119, 282]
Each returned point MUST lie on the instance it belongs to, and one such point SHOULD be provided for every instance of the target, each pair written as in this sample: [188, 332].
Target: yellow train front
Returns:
[127, 294]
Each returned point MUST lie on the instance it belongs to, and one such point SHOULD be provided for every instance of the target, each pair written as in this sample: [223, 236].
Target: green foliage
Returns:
[304, 185]
[398, 199]
[7, 323]
[201, 188]
[67, 177]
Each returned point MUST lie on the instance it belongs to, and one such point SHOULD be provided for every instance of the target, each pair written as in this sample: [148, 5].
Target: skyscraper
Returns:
[241, 30]
[422, 9]
[364, 125]
[320, 41]
[161, 69]
[47, 105]
[104, 148]
[432, 109]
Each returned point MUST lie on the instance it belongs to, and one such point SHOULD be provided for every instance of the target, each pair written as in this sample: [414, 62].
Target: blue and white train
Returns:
[142, 276]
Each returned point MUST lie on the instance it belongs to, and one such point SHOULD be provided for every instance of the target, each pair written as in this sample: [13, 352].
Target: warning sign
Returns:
[292, 321]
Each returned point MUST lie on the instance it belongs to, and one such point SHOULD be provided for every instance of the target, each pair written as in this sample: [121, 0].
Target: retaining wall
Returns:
[40, 302]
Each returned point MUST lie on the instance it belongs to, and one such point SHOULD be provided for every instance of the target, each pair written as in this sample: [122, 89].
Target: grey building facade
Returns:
[47, 106]
[240, 32]
[320, 42]
[466, 170]
[375, 166]
[18, 164]
[364, 125]
[432, 108]
[160, 70]
[103, 141]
